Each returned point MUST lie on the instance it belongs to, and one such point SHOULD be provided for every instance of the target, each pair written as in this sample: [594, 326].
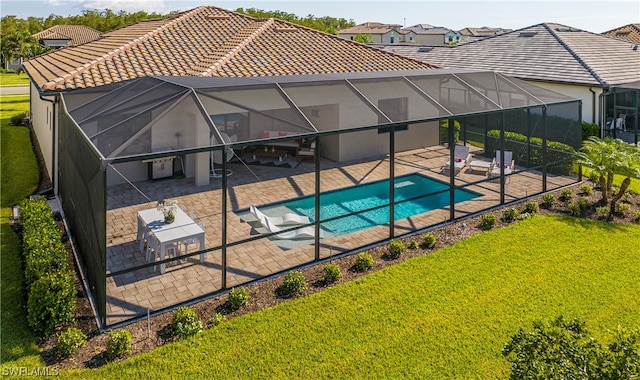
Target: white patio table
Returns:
[181, 229]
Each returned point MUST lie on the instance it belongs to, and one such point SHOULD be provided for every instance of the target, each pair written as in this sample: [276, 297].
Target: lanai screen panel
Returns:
[332, 105]
[399, 99]
[251, 113]
[453, 94]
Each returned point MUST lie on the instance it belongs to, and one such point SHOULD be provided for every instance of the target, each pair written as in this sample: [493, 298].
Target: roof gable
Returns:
[545, 52]
[629, 33]
[76, 34]
[207, 41]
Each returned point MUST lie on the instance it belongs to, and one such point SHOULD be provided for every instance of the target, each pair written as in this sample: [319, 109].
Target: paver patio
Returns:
[130, 294]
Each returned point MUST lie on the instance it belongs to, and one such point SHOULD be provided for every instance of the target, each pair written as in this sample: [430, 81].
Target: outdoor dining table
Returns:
[181, 229]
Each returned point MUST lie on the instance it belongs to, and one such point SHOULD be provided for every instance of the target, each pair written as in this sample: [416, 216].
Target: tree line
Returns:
[16, 39]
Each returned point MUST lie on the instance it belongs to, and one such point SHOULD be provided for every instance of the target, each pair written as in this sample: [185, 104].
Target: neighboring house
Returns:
[470, 34]
[629, 33]
[567, 60]
[425, 34]
[378, 32]
[66, 35]
[205, 41]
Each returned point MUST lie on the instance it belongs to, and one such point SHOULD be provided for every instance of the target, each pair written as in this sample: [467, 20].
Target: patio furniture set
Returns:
[160, 239]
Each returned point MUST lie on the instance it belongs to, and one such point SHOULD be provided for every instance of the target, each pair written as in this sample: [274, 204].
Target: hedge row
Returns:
[51, 291]
[559, 155]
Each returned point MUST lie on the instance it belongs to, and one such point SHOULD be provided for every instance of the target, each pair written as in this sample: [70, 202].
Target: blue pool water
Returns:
[362, 197]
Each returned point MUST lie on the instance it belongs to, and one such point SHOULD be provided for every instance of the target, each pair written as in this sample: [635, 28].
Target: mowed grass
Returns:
[13, 80]
[445, 315]
[20, 174]
[19, 179]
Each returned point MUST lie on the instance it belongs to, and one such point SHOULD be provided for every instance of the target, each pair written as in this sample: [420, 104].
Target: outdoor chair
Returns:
[153, 248]
[461, 158]
[302, 233]
[509, 164]
[285, 219]
[306, 152]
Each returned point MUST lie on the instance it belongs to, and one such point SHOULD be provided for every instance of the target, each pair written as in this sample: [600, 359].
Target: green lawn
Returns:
[19, 179]
[13, 80]
[20, 173]
[446, 315]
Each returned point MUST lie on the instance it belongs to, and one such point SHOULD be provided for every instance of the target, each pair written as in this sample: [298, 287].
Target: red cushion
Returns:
[282, 134]
[265, 135]
[458, 159]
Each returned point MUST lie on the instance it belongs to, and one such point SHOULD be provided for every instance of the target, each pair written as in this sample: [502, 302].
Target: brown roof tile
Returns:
[207, 41]
[77, 34]
[629, 33]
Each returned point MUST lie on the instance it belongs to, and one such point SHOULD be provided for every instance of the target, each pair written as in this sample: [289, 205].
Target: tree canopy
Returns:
[325, 24]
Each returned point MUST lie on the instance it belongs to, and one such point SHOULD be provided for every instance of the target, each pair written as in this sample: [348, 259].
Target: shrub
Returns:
[525, 215]
[331, 273]
[510, 214]
[586, 189]
[531, 207]
[528, 151]
[602, 211]
[69, 341]
[18, 119]
[396, 248]
[593, 176]
[185, 322]
[364, 262]
[627, 197]
[622, 208]
[50, 302]
[566, 195]
[487, 221]
[444, 131]
[217, 319]
[574, 209]
[429, 241]
[548, 200]
[636, 217]
[583, 203]
[237, 297]
[118, 344]
[294, 283]
[590, 129]
[413, 244]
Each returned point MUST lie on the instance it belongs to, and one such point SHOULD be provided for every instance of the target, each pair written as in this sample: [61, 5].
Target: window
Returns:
[392, 39]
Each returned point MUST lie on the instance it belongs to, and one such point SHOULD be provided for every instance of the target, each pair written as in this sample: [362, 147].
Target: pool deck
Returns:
[130, 294]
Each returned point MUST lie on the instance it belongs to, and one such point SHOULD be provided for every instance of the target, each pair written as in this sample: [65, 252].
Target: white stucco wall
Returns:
[42, 119]
[578, 92]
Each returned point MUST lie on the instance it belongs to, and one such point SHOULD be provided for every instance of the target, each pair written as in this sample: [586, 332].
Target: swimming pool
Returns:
[362, 197]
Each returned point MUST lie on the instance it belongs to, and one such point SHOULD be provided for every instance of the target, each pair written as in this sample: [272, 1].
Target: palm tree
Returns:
[609, 157]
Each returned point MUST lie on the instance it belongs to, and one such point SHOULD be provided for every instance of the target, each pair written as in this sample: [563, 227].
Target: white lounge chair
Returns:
[301, 233]
[288, 218]
[509, 165]
[461, 157]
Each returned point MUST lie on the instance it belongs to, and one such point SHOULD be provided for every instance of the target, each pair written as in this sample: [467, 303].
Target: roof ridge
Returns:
[244, 41]
[120, 49]
[575, 55]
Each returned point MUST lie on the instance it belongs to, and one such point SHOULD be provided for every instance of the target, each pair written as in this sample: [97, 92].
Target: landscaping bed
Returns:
[147, 335]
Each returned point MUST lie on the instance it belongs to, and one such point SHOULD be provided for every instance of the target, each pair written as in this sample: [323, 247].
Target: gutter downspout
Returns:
[54, 150]
[593, 105]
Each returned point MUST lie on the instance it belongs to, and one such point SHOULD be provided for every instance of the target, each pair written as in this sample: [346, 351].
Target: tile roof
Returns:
[77, 34]
[207, 41]
[427, 29]
[543, 52]
[630, 33]
[370, 28]
[484, 31]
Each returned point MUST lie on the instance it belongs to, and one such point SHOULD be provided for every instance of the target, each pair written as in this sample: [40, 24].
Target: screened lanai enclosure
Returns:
[274, 173]
[622, 112]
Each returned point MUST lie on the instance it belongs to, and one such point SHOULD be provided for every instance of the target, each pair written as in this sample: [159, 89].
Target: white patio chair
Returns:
[461, 157]
[288, 218]
[307, 232]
